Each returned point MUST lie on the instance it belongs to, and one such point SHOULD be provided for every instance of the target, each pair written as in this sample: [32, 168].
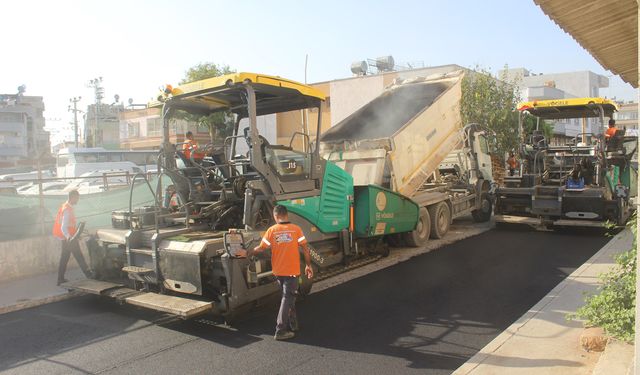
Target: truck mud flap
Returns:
[184, 308]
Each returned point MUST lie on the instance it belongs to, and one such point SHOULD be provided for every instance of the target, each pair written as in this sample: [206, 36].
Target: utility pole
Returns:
[75, 111]
[96, 84]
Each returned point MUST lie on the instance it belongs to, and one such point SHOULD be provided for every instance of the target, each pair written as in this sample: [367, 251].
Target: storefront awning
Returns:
[608, 30]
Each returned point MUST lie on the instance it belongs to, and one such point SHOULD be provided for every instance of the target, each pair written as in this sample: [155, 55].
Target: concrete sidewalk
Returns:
[34, 291]
[543, 341]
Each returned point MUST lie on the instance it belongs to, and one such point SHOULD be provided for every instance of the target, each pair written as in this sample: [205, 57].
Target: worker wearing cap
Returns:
[64, 228]
[284, 239]
[611, 131]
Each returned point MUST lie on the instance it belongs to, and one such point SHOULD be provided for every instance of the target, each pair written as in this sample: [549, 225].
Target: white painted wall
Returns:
[349, 95]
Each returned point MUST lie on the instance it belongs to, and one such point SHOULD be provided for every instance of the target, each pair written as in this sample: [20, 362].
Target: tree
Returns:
[492, 102]
[204, 71]
[529, 124]
[220, 124]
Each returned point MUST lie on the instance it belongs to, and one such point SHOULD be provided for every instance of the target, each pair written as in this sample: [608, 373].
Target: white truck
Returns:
[411, 140]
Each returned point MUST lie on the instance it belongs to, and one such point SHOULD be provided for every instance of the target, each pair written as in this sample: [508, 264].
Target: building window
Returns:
[11, 117]
[133, 129]
[626, 116]
[154, 127]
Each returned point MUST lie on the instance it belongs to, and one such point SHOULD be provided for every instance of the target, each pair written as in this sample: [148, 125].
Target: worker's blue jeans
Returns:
[287, 313]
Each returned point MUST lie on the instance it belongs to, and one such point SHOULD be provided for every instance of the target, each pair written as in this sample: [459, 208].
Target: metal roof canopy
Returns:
[569, 108]
[273, 95]
[608, 30]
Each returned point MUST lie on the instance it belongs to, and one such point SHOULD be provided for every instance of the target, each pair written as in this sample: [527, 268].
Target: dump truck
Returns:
[183, 260]
[587, 182]
[410, 140]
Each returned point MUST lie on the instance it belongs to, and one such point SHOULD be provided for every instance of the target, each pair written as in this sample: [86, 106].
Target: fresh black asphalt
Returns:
[427, 315]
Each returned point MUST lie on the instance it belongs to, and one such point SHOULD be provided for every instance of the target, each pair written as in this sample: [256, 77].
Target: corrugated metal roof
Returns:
[607, 29]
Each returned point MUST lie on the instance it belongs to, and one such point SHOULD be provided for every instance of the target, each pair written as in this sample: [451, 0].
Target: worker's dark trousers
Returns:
[287, 314]
[68, 248]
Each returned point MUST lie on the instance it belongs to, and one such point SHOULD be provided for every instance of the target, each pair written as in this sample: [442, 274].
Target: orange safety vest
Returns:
[57, 225]
[190, 146]
[610, 132]
[173, 201]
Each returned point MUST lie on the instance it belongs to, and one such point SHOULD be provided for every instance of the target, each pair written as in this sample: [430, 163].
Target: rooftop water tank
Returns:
[385, 63]
[359, 68]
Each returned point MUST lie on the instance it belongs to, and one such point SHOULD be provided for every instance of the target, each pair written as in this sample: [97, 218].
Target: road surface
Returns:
[426, 315]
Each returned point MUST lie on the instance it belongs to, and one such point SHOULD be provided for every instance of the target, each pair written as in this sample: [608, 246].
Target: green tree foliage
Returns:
[614, 307]
[204, 71]
[220, 124]
[492, 102]
[530, 123]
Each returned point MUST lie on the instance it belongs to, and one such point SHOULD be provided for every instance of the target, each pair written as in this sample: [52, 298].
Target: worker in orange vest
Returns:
[284, 238]
[512, 162]
[611, 131]
[64, 228]
[191, 146]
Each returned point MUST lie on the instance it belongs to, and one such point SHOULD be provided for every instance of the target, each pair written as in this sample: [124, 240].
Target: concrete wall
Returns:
[31, 256]
[580, 84]
[347, 96]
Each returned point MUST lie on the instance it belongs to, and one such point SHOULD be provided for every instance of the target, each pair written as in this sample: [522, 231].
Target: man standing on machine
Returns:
[611, 131]
[284, 238]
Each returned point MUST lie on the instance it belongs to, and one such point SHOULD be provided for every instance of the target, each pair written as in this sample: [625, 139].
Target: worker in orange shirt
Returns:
[284, 239]
[512, 162]
[191, 146]
[611, 131]
[64, 228]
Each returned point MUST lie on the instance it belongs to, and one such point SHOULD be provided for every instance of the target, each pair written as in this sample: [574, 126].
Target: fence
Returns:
[23, 216]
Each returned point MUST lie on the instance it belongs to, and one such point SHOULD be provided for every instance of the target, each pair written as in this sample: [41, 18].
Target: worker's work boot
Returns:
[284, 335]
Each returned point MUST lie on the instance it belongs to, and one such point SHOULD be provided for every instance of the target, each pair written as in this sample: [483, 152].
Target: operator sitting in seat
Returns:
[191, 146]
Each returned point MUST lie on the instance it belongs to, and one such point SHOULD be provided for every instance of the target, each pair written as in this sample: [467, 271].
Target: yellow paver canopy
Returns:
[569, 108]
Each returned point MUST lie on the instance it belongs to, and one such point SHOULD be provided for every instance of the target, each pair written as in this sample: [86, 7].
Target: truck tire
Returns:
[440, 219]
[483, 214]
[420, 235]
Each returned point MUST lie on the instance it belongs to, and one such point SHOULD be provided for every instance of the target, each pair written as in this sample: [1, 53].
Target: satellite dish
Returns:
[130, 101]
[116, 97]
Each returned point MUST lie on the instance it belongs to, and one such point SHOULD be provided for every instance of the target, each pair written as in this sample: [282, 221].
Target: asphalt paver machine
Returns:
[588, 182]
[184, 262]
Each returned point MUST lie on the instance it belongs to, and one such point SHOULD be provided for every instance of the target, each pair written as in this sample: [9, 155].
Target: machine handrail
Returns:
[155, 198]
[182, 198]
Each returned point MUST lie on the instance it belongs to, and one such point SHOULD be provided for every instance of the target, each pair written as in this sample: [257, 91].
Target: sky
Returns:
[56, 47]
